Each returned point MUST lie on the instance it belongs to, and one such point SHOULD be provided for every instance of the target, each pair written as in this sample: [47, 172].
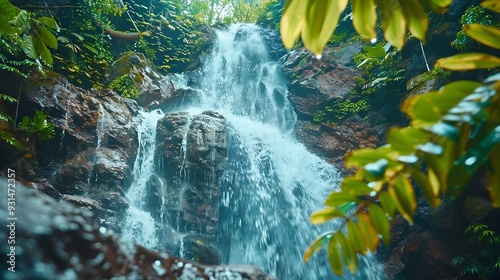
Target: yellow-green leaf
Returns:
[48, 38]
[403, 195]
[368, 231]
[41, 49]
[380, 222]
[49, 22]
[438, 6]
[292, 21]
[364, 18]
[393, 22]
[365, 156]
[357, 240]
[321, 20]
[324, 215]
[416, 18]
[387, 203]
[338, 199]
[468, 61]
[317, 244]
[493, 5]
[355, 187]
[5, 27]
[334, 256]
[348, 253]
[405, 140]
[487, 35]
[431, 191]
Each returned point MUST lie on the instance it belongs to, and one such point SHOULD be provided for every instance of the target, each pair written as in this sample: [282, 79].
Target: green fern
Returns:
[484, 263]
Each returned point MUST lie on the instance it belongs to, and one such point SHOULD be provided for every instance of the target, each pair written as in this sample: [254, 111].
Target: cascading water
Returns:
[271, 183]
[138, 225]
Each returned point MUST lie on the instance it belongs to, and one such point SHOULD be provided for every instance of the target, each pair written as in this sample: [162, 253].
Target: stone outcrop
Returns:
[315, 82]
[95, 144]
[192, 151]
[57, 240]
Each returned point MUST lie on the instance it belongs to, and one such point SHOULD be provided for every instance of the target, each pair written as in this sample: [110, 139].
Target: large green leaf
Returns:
[49, 22]
[431, 192]
[380, 222]
[487, 35]
[368, 231]
[293, 21]
[317, 244]
[324, 215]
[468, 61]
[444, 129]
[364, 18]
[438, 6]
[48, 38]
[322, 18]
[405, 140]
[365, 156]
[403, 195]
[355, 237]
[393, 22]
[377, 168]
[493, 5]
[7, 10]
[41, 48]
[336, 199]
[5, 27]
[387, 203]
[334, 256]
[355, 187]
[348, 253]
[428, 109]
[416, 18]
[465, 167]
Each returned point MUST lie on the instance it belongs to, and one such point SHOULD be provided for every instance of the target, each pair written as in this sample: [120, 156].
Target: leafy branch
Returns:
[454, 133]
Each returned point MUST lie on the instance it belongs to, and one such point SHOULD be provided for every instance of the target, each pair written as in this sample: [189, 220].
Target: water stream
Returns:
[139, 226]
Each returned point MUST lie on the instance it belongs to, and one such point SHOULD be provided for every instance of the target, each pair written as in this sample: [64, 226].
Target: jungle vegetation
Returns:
[453, 136]
[454, 132]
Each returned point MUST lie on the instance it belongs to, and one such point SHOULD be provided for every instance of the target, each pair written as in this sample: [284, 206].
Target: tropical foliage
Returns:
[454, 131]
[25, 39]
[225, 11]
[316, 20]
[483, 263]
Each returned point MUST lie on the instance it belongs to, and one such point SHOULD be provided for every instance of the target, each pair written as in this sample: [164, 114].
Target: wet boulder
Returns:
[63, 241]
[192, 151]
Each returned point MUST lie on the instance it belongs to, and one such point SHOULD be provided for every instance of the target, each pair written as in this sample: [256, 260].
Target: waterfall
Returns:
[138, 225]
[271, 183]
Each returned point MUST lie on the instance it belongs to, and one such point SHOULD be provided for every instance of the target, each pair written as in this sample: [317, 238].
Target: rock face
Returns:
[192, 151]
[62, 241]
[95, 142]
[314, 82]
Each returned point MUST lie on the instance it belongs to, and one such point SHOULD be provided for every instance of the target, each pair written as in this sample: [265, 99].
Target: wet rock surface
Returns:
[193, 151]
[63, 241]
[92, 154]
[316, 82]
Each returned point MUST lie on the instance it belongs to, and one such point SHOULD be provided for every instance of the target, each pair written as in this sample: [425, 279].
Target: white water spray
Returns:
[139, 226]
